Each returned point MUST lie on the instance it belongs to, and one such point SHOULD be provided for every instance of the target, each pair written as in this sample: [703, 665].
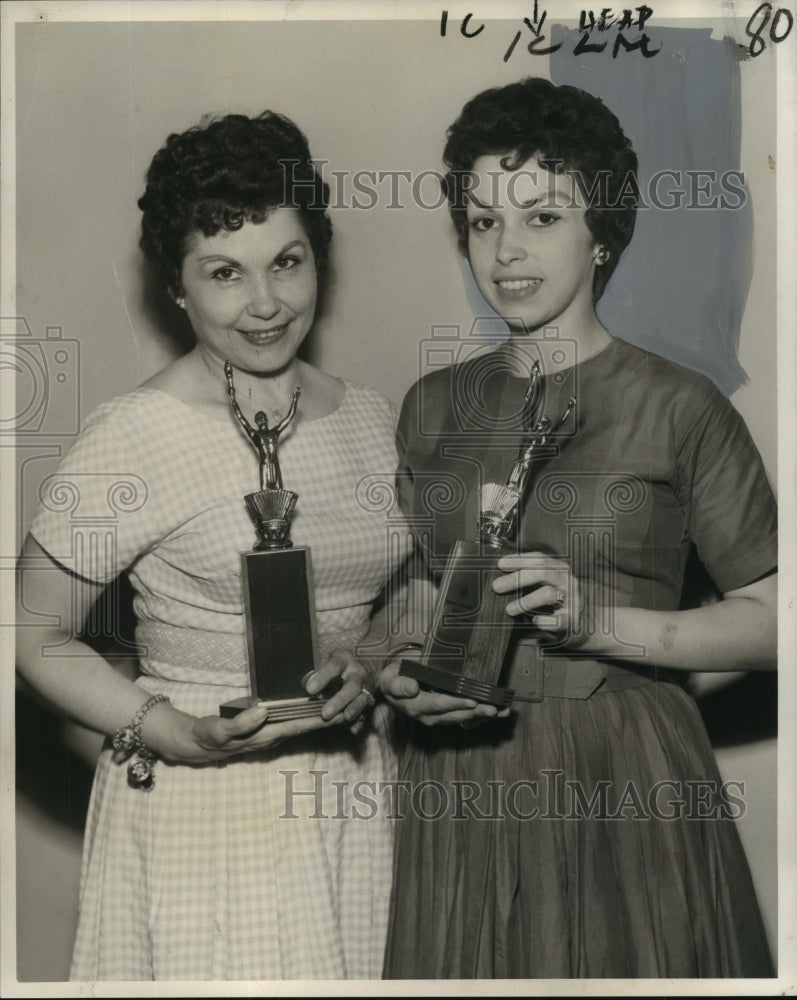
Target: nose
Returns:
[263, 303]
[509, 247]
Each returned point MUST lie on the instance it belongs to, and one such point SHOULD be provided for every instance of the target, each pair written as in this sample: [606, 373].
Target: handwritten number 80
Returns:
[757, 43]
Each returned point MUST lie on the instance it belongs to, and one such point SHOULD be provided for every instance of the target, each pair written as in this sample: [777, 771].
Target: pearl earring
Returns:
[601, 256]
[180, 303]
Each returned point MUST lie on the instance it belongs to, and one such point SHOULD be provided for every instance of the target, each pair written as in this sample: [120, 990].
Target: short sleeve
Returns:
[729, 503]
[406, 439]
[95, 516]
[420, 434]
[404, 434]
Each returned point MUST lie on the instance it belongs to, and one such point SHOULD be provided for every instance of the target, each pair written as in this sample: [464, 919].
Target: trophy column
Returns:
[277, 583]
[466, 646]
[470, 630]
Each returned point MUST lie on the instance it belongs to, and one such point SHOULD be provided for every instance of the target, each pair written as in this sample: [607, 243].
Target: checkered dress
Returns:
[268, 866]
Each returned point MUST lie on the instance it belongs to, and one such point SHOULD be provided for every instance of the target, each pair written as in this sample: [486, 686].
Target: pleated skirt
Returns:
[579, 838]
[269, 866]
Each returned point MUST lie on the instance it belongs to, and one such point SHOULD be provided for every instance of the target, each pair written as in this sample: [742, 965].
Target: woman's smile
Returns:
[518, 288]
[250, 293]
[262, 338]
[531, 252]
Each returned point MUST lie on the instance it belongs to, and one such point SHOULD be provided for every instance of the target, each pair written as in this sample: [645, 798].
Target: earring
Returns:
[180, 303]
[601, 255]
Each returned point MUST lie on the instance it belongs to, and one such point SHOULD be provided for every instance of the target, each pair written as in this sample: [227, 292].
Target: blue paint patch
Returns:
[681, 286]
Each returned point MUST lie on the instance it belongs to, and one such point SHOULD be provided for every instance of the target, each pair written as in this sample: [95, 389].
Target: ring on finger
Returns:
[559, 598]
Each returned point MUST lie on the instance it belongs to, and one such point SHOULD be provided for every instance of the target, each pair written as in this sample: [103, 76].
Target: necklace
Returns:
[278, 412]
[275, 415]
[275, 412]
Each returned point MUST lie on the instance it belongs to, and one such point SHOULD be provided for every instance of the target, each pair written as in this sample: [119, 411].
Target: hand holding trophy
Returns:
[277, 585]
[467, 642]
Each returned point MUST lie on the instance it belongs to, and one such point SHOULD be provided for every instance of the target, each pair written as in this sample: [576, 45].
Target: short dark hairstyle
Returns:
[568, 130]
[224, 172]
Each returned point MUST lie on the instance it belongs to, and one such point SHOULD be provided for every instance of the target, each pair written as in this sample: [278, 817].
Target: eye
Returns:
[224, 274]
[543, 219]
[483, 223]
[287, 262]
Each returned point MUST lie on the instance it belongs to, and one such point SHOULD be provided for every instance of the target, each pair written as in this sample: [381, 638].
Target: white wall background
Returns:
[93, 103]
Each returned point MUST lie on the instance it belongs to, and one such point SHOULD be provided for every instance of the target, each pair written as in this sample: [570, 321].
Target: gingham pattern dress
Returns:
[269, 866]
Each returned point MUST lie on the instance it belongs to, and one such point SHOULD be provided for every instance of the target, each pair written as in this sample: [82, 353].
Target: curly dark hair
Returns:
[569, 131]
[222, 173]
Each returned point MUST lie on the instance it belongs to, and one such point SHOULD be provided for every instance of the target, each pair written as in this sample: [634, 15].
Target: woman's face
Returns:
[250, 293]
[529, 246]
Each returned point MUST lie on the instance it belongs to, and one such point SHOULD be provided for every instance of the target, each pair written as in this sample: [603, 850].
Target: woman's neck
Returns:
[270, 392]
[553, 348]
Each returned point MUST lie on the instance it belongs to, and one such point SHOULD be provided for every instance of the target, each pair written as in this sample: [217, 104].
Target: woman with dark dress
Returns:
[584, 831]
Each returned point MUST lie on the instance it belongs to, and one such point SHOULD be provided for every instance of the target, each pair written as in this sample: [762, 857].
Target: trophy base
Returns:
[278, 711]
[280, 622]
[302, 706]
[466, 646]
[457, 684]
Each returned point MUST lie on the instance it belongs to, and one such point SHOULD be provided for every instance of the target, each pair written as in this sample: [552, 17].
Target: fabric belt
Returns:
[200, 657]
[535, 676]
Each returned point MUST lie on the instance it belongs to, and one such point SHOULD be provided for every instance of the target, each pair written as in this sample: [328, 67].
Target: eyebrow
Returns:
[234, 260]
[520, 204]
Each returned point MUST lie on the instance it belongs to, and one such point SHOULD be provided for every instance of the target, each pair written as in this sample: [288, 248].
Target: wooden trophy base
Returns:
[456, 684]
[282, 645]
[278, 711]
[466, 646]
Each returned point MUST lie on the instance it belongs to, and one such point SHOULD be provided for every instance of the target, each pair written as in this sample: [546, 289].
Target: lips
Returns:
[262, 338]
[518, 284]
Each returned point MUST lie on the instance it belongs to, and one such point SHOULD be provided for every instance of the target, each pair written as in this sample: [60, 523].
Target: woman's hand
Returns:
[216, 737]
[738, 632]
[547, 592]
[432, 708]
[185, 739]
[404, 694]
[356, 694]
[181, 738]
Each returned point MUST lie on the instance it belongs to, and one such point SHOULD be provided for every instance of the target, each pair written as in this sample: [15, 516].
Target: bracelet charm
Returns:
[127, 743]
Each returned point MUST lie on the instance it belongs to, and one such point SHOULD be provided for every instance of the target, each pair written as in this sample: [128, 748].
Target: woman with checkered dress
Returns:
[234, 850]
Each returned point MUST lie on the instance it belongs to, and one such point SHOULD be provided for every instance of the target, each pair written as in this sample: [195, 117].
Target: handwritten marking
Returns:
[776, 33]
[588, 23]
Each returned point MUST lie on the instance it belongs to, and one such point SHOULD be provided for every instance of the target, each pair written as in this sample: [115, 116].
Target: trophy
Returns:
[466, 645]
[277, 582]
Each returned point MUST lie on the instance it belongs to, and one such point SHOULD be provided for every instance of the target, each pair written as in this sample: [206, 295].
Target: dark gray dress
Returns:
[590, 834]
